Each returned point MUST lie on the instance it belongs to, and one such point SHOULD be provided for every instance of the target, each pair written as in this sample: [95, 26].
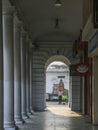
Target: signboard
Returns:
[61, 77]
[95, 10]
[79, 69]
[93, 43]
[82, 69]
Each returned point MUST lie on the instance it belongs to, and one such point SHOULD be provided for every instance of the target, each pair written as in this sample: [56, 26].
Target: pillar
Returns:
[75, 93]
[17, 72]
[1, 70]
[31, 89]
[27, 77]
[23, 73]
[8, 56]
[95, 91]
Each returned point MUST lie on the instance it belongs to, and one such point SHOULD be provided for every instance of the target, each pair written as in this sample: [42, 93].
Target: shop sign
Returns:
[93, 43]
[61, 77]
[82, 69]
[95, 13]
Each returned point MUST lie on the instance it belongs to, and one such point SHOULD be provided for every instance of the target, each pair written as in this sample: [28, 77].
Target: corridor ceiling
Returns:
[39, 18]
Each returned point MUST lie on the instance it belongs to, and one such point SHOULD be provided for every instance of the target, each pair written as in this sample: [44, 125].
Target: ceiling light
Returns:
[58, 3]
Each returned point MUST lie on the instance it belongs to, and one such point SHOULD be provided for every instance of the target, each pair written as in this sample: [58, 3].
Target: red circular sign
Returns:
[82, 68]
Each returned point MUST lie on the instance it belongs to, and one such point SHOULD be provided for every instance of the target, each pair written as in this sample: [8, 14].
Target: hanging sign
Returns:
[82, 69]
[93, 44]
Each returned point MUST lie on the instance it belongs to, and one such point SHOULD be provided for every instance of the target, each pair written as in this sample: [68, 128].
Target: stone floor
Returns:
[57, 117]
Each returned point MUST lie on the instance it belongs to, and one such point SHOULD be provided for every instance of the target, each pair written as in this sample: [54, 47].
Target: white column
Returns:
[1, 70]
[95, 91]
[8, 69]
[27, 77]
[17, 72]
[31, 89]
[23, 73]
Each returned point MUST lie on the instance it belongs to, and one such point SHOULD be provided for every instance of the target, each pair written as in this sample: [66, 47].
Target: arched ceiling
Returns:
[39, 18]
[57, 58]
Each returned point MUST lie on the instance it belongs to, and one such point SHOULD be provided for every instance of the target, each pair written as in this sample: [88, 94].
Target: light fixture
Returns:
[58, 3]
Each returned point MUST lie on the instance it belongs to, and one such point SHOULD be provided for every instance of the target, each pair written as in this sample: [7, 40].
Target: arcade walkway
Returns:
[57, 117]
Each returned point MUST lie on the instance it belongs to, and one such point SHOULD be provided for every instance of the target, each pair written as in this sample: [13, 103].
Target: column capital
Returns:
[27, 38]
[17, 22]
[23, 32]
[8, 10]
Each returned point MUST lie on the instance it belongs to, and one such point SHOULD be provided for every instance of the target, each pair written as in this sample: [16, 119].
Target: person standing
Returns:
[60, 96]
[61, 89]
[61, 85]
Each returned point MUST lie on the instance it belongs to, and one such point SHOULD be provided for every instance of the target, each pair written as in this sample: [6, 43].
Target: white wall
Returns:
[52, 78]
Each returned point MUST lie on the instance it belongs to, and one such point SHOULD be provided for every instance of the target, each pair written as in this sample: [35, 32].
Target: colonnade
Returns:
[15, 75]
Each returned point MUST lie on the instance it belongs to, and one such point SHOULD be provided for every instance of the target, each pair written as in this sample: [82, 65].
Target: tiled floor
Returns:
[57, 117]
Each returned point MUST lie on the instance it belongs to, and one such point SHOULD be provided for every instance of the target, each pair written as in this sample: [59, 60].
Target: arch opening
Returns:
[57, 69]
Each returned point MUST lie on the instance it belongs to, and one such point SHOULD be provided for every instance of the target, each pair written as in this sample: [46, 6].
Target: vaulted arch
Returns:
[57, 58]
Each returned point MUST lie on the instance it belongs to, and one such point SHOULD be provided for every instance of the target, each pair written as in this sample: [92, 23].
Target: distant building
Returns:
[53, 75]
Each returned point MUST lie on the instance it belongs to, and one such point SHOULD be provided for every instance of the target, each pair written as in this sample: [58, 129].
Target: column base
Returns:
[10, 128]
[8, 124]
[32, 112]
[29, 113]
[19, 122]
[25, 116]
